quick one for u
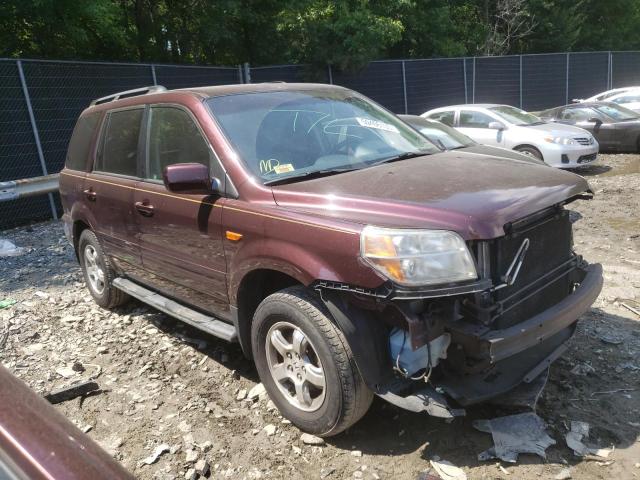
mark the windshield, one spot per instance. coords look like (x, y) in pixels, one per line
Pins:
(298, 133)
(616, 112)
(442, 135)
(516, 116)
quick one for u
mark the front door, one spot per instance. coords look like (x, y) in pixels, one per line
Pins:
(110, 185)
(476, 125)
(180, 234)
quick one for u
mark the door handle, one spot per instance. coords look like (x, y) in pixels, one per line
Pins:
(90, 194)
(145, 209)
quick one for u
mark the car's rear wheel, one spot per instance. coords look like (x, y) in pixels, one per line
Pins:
(305, 363)
(98, 272)
(531, 151)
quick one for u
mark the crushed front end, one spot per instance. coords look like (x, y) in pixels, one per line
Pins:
(475, 340)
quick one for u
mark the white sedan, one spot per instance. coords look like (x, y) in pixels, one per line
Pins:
(628, 97)
(562, 146)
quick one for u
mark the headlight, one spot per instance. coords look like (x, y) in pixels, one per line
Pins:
(417, 257)
(560, 140)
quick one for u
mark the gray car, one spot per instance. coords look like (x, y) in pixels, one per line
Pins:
(449, 138)
(616, 128)
(559, 145)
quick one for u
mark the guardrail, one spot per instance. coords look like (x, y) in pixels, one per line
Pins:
(28, 187)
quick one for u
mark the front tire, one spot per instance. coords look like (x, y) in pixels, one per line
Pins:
(532, 151)
(306, 365)
(98, 272)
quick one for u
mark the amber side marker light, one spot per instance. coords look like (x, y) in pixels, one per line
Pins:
(233, 236)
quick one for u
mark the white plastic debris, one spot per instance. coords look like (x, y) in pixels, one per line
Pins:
(515, 434)
(447, 470)
(8, 249)
(153, 458)
(580, 430)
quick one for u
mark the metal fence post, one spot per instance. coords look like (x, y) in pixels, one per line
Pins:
(520, 81)
(473, 86)
(240, 79)
(330, 74)
(36, 134)
(610, 72)
(464, 74)
(404, 89)
(566, 87)
(153, 74)
(247, 73)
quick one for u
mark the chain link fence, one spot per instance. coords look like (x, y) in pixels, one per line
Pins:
(41, 100)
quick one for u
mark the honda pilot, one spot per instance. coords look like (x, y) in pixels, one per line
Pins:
(346, 254)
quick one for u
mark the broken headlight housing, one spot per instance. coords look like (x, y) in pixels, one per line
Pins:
(417, 257)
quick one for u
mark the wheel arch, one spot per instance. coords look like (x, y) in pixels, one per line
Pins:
(528, 145)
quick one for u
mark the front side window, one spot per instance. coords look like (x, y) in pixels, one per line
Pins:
(287, 134)
(473, 119)
(173, 138)
(444, 117)
(574, 115)
(515, 116)
(120, 144)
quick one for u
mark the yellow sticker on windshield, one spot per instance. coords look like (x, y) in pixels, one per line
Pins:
(284, 168)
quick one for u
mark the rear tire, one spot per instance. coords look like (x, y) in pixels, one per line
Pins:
(297, 350)
(534, 152)
(98, 272)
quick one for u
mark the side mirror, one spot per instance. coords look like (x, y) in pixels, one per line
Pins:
(190, 178)
(496, 126)
(597, 121)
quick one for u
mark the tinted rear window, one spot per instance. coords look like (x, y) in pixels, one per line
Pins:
(120, 148)
(78, 152)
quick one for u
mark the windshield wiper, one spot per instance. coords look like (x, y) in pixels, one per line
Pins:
(402, 156)
(308, 176)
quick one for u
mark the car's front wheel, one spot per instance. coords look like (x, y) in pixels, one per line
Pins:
(306, 365)
(531, 151)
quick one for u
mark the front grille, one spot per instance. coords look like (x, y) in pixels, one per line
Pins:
(543, 279)
(587, 158)
(583, 140)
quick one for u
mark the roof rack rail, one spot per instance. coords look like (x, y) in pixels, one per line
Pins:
(129, 93)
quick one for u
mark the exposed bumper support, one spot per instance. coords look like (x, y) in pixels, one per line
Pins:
(510, 341)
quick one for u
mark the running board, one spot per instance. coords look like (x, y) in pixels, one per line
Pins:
(194, 318)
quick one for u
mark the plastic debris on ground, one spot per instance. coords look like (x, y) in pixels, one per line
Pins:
(8, 249)
(447, 470)
(515, 434)
(579, 431)
(7, 302)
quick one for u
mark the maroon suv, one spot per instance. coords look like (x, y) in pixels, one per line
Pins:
(347, 254)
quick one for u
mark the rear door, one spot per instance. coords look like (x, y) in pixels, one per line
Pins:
(475, 124)
(109, 187)
(180, 234)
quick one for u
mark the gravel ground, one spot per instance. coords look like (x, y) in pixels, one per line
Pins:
(165, 383)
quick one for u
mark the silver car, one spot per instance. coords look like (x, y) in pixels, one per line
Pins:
(562, 146)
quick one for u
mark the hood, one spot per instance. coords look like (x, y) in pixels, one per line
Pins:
(473, 195)
(559, 129)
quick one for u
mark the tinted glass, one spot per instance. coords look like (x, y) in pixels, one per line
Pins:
(444, 117)
(515, 115)
(174, 138)
(294, 133)
(627, 99)
(471, 119)
(120, 148)
(574, 115)
(617, 112)
(78, 152)
(442, 135)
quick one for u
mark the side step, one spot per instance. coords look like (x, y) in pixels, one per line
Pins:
(202, 322)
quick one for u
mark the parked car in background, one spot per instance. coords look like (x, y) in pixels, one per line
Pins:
(449, 138)
(345, 252)
(602, 96)
(616, 128)
(562, 146)
(38, 443)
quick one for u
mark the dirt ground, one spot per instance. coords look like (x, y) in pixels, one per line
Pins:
(166, 383)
